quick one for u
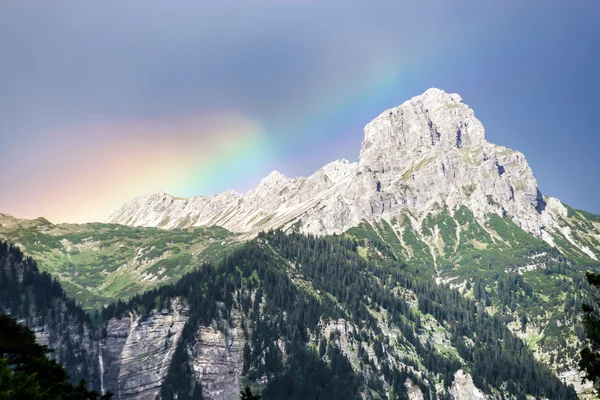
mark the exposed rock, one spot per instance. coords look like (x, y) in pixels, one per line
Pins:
(109, 351)
(71, 340)
(344, 341)
(217, 361)
(413, 391)
(137, 352)
(464, 389)
(583, 387)
(429, 152)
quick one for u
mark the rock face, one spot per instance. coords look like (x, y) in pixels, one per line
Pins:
(412, 391)
(464, 389)
(136, 353)
(73, 341)
(432, 150)
(217, 361)
(427, 153)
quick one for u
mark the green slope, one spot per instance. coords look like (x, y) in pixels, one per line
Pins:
(100, 263)
(535, 288)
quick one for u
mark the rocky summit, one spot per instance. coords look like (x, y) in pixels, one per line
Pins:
(426, 155)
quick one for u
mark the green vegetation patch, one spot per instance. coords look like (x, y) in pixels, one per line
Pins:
(101, 263)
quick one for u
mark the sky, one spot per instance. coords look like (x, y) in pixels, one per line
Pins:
(105, 101)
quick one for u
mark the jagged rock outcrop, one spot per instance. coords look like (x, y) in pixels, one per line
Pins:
(427, 153)
(412, 391)
(463, 387)
(136, 353)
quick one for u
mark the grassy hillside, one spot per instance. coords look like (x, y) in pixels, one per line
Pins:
(100, 263)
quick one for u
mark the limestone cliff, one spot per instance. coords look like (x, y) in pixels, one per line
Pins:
(136, 352)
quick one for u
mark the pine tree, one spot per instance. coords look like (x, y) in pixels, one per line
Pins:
(27, 373)
(590, 356)
(246, 394)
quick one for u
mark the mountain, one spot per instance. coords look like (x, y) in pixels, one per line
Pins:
(432, 267)
(457, 208)
(296, 317)
(427, 153)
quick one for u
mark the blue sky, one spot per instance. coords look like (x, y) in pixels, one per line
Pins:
(82, 81)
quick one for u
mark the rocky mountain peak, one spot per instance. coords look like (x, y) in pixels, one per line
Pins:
(434, 120)
(274, 178)
(427, 154)
(336, 170)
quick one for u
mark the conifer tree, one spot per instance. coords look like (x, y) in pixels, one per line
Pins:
(246, 394)
(590, 356)
(27, 373)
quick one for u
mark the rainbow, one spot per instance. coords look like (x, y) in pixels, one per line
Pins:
(202, 154)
